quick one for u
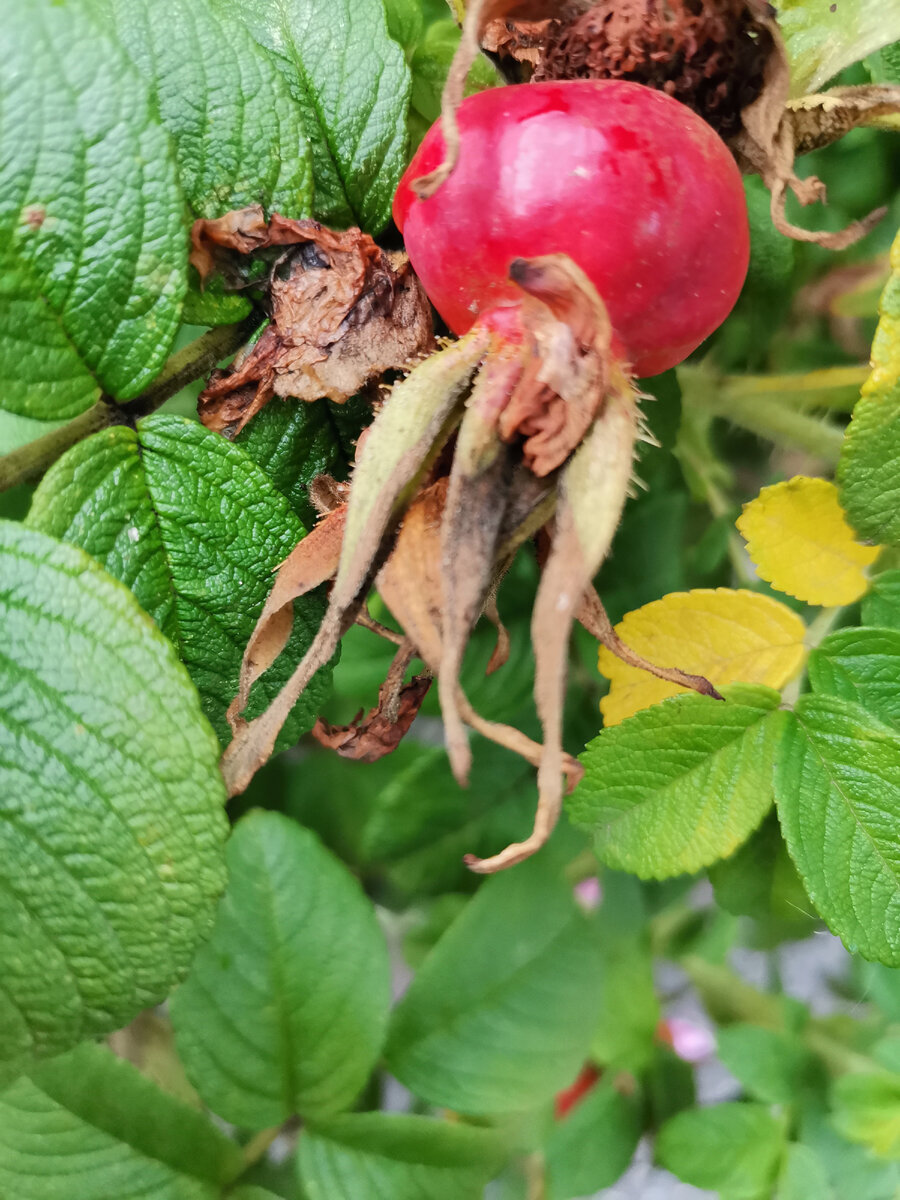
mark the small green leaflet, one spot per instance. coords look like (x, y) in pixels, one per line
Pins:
(803, 1176)
(863, 665)
(500, 1015)
(430, 64)
(93, 266)
(376, 1156)
(196, 530)
(285, 1009)
(682, 784)
(238, 134)
(352, 84)
(113, 823)
(770, 1064)
(593, 1145)
(822, 39)
(92, 1116)
(836, 792)
(867, 1110)
(733, 1149)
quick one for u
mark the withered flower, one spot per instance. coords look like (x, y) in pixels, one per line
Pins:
(526, 424)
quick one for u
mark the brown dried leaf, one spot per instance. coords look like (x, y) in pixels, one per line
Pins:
(523, 41)
(371, 737)
(821, 119)
(343, 313)
(242, 230)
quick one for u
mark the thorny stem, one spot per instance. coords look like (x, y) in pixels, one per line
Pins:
(193, 362)
(766, 416)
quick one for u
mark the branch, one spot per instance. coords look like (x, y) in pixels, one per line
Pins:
(29, 463)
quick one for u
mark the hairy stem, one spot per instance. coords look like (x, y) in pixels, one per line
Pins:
(29, 463)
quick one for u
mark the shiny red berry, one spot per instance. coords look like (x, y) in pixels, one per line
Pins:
(634, 186)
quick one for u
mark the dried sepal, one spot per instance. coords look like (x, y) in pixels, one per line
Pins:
(342, 313)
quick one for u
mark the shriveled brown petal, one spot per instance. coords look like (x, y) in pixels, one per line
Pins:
(243, 230)
(343, 313)
(522, 40)
(312, 562)
(593, 488)
(378, 733)
(563, 384)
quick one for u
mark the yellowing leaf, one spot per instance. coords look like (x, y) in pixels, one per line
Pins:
(728, 636)
(801, 542)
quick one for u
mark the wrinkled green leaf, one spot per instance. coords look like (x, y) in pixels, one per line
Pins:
(112, 804)
(681, 784)
(196, 530)
(500, 1015)
(769, 1064)
(88, 1126)
(293, 442)
(870, 467)
(822, 38)
(882, 605)
(238, 135)
(733, 1149)
(93, 265)
(863, 665)
(836, 792)
(351, 83)
(593, 1145)
(867, 1110)
(377, 1156)
(285, 1008)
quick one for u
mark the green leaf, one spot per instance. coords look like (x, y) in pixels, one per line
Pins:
(500, 1015)
(679, 785)
(285, 1009)
(593, 1145)
(293, 442)
(734, 1149)
(852, 1170)
(405, 21)
(627, 1006)
(112, 804)
(761, 881)
(196, 530)
(867, 1110)
(92, 1117)
(869, 466)
(863, 665)
(376, 1156)
(93, 265)
(431, 62)
(882, 605)
(821, 40)
(803, 1176)
(351, 83)
(769, 1064)
(238, 135)
(836, 792)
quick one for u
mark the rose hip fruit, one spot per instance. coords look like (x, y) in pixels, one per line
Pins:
(631, 184)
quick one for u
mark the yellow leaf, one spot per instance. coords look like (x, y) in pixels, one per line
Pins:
(801, 542)
(728, 636)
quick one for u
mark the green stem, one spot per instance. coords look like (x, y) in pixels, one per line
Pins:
(193, 362)
(258, 1146)
(819, 629)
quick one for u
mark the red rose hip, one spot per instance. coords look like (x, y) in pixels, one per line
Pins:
(633, 185)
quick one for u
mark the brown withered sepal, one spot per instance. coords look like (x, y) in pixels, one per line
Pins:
(343, 311)
(710, 56)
